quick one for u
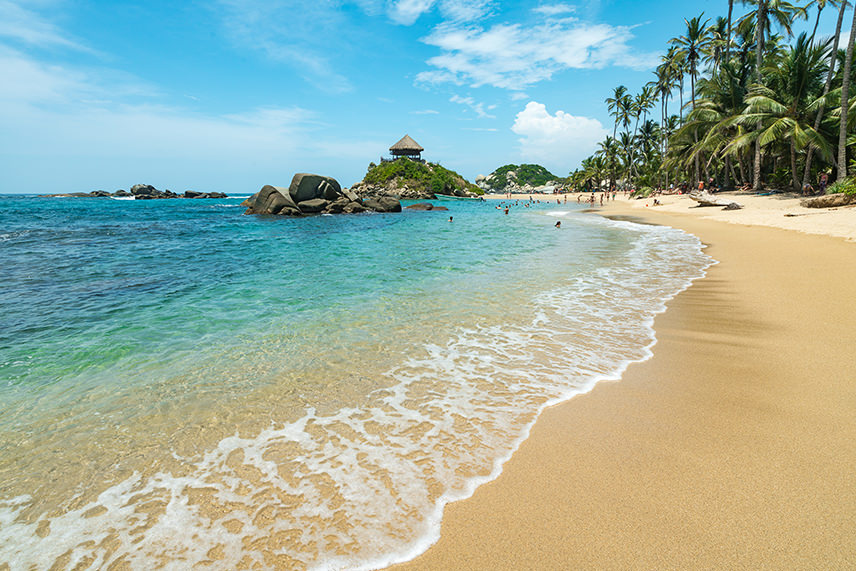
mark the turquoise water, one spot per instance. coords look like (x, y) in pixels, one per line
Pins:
(182, 385)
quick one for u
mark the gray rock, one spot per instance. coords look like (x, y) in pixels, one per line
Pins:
(828, 201)
(306, 186)
(99, 193)
(313, 205)
(122, 192)
(350, 195)
(193, 194)
(144, 190)
(354, 208)
(271, 200)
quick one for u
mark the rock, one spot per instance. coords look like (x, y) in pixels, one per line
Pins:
(193, 194)
(313, 205)
(426, 206)
(144, 190)
(707, 199)
(338, 206)
(828, 201)
(350, 195)
(271, 200)
(383, 204)
(99, 193)
(122, 192)
(308, 186)
(354, 208)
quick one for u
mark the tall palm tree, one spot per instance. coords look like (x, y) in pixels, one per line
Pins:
(829, 75)
(845, 95)
(820, 4)
(692, 43)
(614, 105)
(783, 13)
(717, 43)
(728, 31)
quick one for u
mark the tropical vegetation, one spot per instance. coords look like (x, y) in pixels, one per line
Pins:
(764, 108)
(418, 175)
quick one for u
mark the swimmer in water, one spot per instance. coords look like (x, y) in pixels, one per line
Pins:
(558, 223)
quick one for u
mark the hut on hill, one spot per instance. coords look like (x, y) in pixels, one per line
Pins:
(406, 147)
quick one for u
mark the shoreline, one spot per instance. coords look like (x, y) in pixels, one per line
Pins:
(714, 452)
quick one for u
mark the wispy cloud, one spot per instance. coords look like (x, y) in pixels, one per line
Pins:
(295, 33)
(406, 12)
(478, 108)
(22, 25)
(514, 56)
(481, 129)
(425, 112)
(559, 139)
(555, 9)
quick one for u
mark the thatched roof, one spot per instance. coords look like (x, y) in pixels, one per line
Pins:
(406, 144)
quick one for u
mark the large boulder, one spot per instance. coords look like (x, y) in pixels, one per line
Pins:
(144, 190)
(828, 201)
(426, 206)
(313, 205)
(306, 186)
(271, 200)
(383, 204)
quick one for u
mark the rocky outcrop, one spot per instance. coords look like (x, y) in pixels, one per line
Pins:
(140, 192)
(707, 199)
(829, 201)
(315, 194)
(391, 188)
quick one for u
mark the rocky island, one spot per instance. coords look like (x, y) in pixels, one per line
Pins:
(519, 179)
(409, 179)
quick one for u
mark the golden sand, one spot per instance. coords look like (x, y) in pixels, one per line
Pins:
(733, 447)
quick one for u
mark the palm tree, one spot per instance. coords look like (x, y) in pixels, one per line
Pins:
(717, 43)
(728, 31)
(784, 13)
(845, 95)
(829, 75)
(608, 150)
(692, 43)
(614, 105)
(782, 108)
(821, 4)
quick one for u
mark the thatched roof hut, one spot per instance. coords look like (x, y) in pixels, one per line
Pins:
(407, 147)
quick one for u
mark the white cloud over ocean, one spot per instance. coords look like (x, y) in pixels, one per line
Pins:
(555, 140)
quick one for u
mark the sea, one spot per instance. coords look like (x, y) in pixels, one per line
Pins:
(183, 386)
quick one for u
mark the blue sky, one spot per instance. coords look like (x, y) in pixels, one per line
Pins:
(229, 95)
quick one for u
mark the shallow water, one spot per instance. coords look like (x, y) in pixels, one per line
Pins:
(184, 386)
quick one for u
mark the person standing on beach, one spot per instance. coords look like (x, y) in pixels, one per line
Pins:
(824, 179)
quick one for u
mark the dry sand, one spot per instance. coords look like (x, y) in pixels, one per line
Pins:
(733, 447)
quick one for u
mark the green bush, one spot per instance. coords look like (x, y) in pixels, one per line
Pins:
(643, 192)
(536, 175)
(847, 186)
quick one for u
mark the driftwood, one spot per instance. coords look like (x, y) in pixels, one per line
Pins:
(828, 201)
(707, 199)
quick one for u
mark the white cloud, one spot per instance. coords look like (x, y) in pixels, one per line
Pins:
(559, 141)
(406, 12)
(425, 112)
(554, 9)
(513, 56)
(518, 96)
(478, 108)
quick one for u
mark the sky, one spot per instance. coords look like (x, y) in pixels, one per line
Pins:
(230, 95)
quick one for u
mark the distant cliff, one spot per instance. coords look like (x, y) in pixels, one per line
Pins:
(413, 180)
(518, 178)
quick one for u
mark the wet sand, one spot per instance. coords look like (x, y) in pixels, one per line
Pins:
(733, 447)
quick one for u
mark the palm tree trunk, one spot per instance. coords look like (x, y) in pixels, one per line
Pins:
(795, 181)
(845, 104)
(829, 75)
(759, 60)
(728, 37)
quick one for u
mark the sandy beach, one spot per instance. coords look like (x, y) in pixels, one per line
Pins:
(733, 447)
